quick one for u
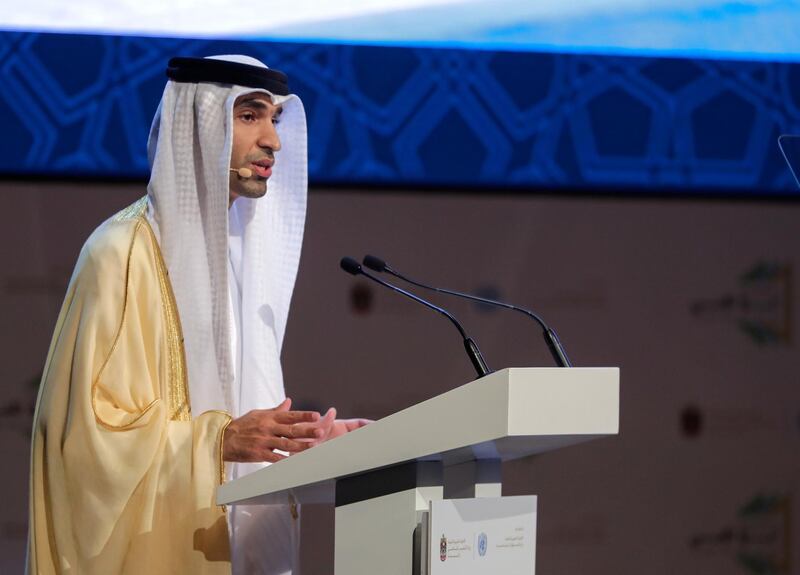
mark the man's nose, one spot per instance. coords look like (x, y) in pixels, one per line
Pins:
(269, 138)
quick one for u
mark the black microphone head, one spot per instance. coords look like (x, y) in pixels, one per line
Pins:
(350, 265)
(374, 263)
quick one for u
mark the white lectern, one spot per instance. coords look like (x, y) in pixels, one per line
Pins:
(381, 477)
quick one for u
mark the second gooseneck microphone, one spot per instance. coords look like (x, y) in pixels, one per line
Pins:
(550, 337)
(351, 266)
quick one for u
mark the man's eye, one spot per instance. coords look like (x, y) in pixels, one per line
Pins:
(248, 117)
(276, 120)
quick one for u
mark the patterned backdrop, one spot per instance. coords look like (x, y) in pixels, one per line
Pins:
(80, 105)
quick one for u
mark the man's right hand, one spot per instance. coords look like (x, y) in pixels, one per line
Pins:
(257, 434)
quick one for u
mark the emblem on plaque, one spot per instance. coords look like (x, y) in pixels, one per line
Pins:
(482, 544)
(443, 548)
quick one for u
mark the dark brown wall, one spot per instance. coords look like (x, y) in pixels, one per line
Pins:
(670, 291)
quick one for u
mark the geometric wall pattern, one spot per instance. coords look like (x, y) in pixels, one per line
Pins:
(81, 105)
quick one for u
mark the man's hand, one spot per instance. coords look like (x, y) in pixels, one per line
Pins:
(257, 434)
(333, 428)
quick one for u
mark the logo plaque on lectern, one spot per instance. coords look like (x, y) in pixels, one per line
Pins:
(483, 535)
(482, 544)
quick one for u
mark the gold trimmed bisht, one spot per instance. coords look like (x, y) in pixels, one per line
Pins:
(123, 477)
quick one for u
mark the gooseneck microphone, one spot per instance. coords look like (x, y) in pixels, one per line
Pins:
(351, 266)
(550, 337)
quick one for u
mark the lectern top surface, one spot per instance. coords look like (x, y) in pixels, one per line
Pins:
(509, 414)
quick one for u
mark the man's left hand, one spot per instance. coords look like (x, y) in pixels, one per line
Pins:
(333, 428)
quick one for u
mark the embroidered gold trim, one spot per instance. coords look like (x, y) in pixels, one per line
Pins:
(221, 446)
(177, 383)
(177, 389)
(135, 210)
(221, 449)
(96, 381)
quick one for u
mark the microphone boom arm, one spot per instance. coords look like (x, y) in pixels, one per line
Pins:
(351, 266)
(550, 336)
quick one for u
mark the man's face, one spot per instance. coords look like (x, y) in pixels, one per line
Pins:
(255, 141)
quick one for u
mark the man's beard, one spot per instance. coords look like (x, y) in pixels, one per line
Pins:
(252, 187)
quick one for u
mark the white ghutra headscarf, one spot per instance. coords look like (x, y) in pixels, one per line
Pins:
(189, 150)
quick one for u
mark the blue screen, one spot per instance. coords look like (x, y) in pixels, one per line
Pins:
(677, 96)
(754, 29)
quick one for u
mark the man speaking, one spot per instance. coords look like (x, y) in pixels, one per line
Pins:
(165, 361)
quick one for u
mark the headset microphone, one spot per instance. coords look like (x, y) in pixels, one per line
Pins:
(243, 172)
